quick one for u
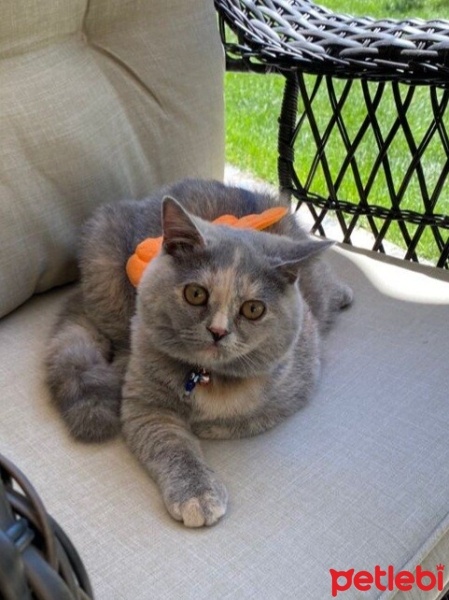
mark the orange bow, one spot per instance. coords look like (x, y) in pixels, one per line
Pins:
(149, 248)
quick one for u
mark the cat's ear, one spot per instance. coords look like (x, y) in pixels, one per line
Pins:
(296, 253)
(180, 233)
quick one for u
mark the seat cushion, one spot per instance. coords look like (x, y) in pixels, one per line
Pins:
(100, 100)
(358, 478)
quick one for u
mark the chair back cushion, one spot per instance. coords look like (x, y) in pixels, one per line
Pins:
(99, 101)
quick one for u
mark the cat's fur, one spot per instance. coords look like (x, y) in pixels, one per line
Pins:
(118, 360)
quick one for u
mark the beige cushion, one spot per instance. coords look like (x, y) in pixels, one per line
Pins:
(358, 478)
(99, 100)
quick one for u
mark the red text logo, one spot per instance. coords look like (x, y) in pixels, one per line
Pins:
(386, 579)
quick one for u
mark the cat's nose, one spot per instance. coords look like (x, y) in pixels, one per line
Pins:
(217, 333)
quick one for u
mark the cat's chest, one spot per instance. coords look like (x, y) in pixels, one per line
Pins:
(218, 399)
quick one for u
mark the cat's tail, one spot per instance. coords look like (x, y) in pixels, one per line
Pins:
(84, 382)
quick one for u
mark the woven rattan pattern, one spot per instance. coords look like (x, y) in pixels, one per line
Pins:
(398, 64)
(301, 34)
(424, 179)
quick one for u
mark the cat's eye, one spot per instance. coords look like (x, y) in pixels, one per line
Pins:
(195, 294)
(252, 309)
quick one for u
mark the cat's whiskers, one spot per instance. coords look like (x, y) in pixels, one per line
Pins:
(248, 362)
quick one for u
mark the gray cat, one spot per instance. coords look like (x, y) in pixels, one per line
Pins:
(218, 341)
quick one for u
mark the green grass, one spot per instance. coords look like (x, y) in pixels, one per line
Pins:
(253, 104)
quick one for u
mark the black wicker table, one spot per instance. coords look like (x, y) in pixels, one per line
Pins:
(352, 61)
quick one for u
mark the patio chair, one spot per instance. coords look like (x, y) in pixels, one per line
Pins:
(107, 99)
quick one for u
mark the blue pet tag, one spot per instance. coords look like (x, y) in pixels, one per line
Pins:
(195, 377)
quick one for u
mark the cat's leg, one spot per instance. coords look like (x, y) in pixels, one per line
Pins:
(84, 382)
(164, 445)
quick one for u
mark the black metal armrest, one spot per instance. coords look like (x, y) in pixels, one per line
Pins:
(352, 61)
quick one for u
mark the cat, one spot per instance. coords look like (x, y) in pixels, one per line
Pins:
(221, 338)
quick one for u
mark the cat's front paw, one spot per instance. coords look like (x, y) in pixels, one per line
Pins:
(198, 507)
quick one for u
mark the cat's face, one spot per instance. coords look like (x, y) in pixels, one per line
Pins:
(221, 299)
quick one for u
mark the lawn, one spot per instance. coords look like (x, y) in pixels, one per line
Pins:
(253, 104)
